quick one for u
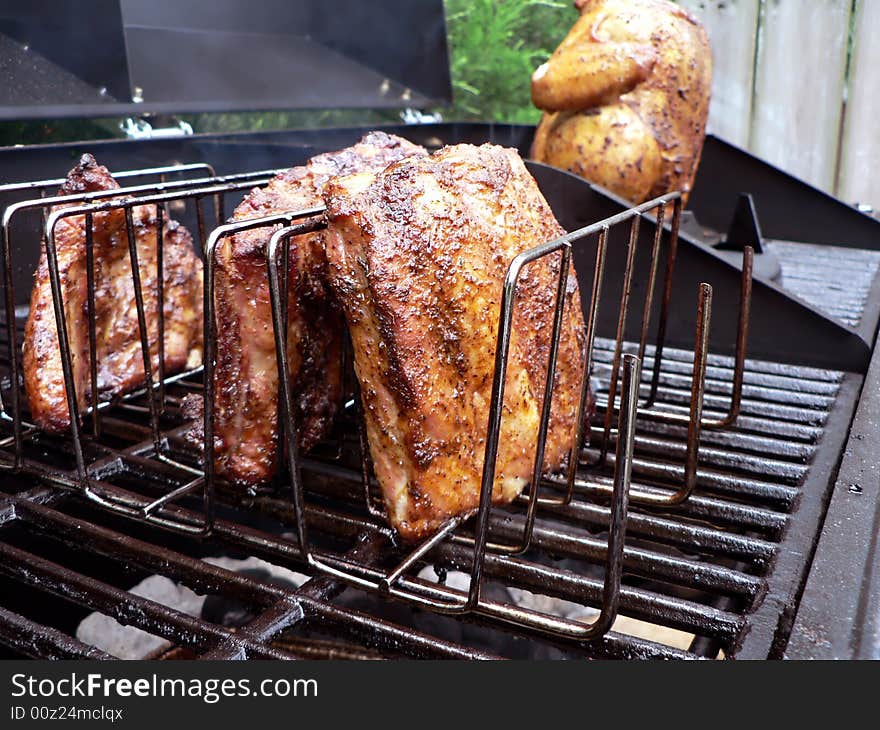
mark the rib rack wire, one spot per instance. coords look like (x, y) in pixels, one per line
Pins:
(691, 503)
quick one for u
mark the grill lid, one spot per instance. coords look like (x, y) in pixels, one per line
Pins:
(175, 56)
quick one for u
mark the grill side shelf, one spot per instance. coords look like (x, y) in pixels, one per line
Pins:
(771, 623)
(839, 612)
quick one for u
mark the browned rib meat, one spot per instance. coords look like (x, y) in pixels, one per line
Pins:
(118, 345)
(417, 256)
(246, 374)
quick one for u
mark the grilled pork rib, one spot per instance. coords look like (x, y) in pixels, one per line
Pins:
(417, 257)
(246, 373)
(118, 346)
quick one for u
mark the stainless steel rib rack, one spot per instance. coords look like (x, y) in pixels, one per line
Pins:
(484, 545)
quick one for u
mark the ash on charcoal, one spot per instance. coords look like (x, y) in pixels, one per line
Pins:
(128, 642)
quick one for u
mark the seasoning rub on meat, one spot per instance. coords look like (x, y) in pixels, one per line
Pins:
(246, 372)
(417, 257)
(118, 351)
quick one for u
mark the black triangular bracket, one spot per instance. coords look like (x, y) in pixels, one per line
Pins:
(788, 329)
(744, 229)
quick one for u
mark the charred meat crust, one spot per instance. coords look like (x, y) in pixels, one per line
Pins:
(246, 375)
(417, 257)
(118, 348)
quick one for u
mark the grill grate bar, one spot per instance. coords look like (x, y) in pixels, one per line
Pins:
(681, 613)
(374, 632)
(798, 398)
(125, 607)
(733, 441)
(700, 567)
(762, 427)
(644, 524)
(718, 378)
(38, 641)
(672, 397)
(197, 575)
(637, 561)
(717, 511)
(261, 629)
(717, 481)
(359, 626)
(755, 367)
(685, 536)
(673, 612)
(207, 578)
(566, 543)
(561, 583)
(792, 473)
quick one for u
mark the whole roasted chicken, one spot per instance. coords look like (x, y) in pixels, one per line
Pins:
(119, 358)
(626, 96)
(417, 257)
(246, 372)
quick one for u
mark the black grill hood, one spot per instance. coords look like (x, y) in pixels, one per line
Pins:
(63, 58)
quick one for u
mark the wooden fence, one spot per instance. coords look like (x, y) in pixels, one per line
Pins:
(797, 82)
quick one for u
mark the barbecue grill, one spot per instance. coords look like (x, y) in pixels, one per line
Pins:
(701, 516)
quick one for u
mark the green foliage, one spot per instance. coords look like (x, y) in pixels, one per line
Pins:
(57, 130)
(300, 119)
(495, 45)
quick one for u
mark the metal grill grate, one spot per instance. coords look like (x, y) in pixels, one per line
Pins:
(722, 567)
(837, 280)
(702, 570)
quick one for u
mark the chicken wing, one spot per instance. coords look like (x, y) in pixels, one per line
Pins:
(246, 372)
(120, 365)
(417, 257)
(626, 96)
